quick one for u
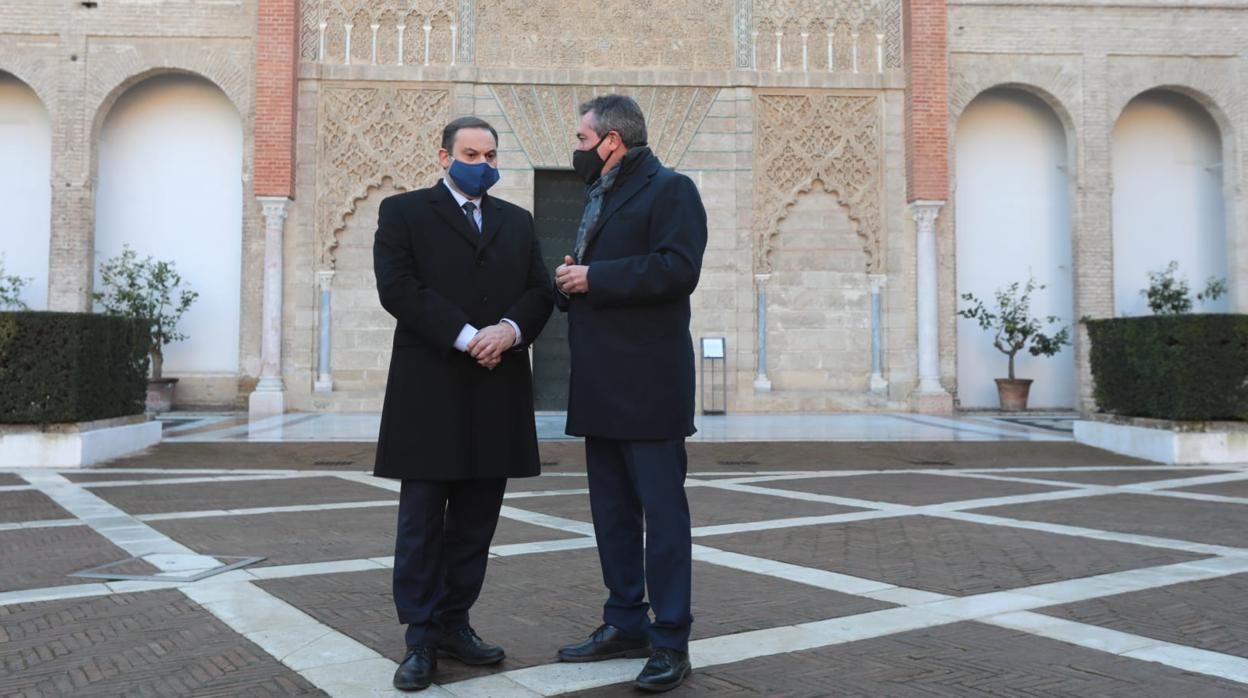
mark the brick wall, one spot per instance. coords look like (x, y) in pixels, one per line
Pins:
(926, 64)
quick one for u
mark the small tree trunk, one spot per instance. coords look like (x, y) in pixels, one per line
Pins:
(1012, 365)
(158, 360)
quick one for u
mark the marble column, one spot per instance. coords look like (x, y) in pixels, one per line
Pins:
(269, 397)
(925, 213)
(878, 384)
(761, 383)
(325, 282)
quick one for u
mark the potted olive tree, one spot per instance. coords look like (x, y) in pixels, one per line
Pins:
(1015, 329)
(147, 289)
(11, 290)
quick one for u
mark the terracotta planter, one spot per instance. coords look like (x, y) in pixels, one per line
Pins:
(160, 394)
(1013, 393)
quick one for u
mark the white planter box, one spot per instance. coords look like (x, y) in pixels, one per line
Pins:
(1165, 441)
(75, 445)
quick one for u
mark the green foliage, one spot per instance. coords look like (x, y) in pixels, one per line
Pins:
(146, 289)
(71, 367)
(11, 289)
(1169, 295)
(1180, 367)
(1013, 326)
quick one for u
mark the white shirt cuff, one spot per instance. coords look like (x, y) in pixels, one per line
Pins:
(515, 327)
(465, 336)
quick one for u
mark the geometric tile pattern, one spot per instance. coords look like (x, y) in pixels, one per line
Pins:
(855, 580)
(157, 643)
(1211, 614)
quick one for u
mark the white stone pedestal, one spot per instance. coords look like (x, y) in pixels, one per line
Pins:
(75, 445)
(1165, 441)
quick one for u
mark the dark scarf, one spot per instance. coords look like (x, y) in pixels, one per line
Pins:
(597, 194)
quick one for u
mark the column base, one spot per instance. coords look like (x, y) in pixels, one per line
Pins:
(940, 403)
(878, 385)
(266, 403)
(762, 385)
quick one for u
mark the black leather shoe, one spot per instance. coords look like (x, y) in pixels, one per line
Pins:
(607, 642)
(666, 670)
(415, 672)
(468, 647)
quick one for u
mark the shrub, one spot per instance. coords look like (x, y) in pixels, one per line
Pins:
(1178, 367)
(71, 367)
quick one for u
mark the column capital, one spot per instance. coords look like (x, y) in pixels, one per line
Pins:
(274, 208)
(878, 281)
(325, 279)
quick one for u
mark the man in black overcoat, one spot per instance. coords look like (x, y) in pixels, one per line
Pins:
(626, 290)
(462, 273)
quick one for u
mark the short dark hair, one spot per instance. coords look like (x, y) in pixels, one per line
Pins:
(619, 113)
(448, 133)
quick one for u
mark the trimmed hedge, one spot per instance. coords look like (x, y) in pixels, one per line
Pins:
(71, 367)
(1178, 367)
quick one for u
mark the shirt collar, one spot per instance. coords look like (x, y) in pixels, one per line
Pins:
(460, 198)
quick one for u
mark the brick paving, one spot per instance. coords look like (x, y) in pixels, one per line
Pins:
(943, 556)
(1116, 477)
(160, 643)
(315, 536)
(151, 644)
(707, 507)
(41, 557)
(138, 499)
(1167, 517)
(963, 660)
(551, 615)
(907, 488)
(28, 505)
(1225, 489)
(1210, 614)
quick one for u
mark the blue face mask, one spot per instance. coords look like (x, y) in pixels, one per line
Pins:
(473, 180)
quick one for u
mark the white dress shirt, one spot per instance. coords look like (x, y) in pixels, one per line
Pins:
(468, 332)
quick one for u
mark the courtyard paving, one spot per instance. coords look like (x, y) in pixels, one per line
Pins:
(1008, 567)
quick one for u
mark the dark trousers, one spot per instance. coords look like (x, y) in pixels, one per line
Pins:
(637, 486)
(444, 535)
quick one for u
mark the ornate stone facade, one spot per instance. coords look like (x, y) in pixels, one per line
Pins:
(370, 137)
(830, 141)
(549, 116)
(790, 115)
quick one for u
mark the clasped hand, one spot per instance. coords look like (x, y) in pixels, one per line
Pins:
(572, 278)
(488, 345)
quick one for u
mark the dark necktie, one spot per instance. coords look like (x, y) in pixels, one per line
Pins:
(470, 210)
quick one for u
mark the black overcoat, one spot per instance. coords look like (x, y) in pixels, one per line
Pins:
(445, 417)
(632, 356)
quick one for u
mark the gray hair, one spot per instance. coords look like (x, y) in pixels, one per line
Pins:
(618, 113)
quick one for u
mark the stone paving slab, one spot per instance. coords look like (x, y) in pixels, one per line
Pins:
(908, 488)
(531, 611)
(155, 499)
(1116, 477)
(151, 644)
(113, 474)
(8, 479)
(316, 536)
(707, 507)
(944, 556)
(1226, 489)
(41, 557)
(1182, 519)
(565, 456)
(963, 660)
(29, 505)
(546, 482)
(1211, 614)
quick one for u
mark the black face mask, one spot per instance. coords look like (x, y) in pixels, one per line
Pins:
(588, 163)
